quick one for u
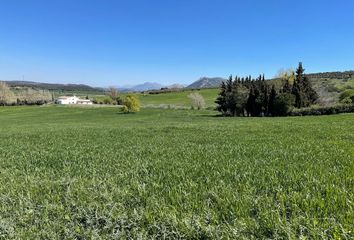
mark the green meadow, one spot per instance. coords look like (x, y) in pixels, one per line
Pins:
(175, 99)
(95, 173)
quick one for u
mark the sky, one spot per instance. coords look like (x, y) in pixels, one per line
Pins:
(117, 43)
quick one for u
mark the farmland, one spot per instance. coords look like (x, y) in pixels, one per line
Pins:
(86, 173)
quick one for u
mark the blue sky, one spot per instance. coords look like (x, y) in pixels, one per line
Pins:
(113, 42)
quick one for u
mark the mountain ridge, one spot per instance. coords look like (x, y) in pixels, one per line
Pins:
(203, 82)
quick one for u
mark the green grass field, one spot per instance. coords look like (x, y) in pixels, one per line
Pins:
(85, 173)
(177, 99)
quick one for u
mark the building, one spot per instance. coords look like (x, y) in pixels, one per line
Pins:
(73, 100)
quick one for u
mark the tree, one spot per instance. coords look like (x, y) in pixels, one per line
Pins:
(302, 89)
(283, 104)
(240, 99)
(221, 99)
(287, 88)
(251, 101)
(131, 104)
(272, 97)
(310, 93)
(197, 100)
(286, 75)
(112, 92)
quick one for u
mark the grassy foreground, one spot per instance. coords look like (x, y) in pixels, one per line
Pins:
(93, 172)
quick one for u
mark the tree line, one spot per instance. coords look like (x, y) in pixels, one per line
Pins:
(257, 97)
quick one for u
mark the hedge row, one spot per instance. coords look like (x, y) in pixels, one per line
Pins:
(23, 102)
(323, 110)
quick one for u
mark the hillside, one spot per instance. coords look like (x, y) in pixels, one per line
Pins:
(328, 89)
(54, 86)
(207, 82)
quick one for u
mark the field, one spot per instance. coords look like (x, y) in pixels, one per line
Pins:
(177, 99)
(85, 173)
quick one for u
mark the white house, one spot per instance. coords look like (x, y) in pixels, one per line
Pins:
(73, 100)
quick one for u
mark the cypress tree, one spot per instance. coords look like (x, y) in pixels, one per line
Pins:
(297, 90)
(250, 105)
(302, 89)
(310, 93)
(286, 87)
(221, 99)
(272, 97)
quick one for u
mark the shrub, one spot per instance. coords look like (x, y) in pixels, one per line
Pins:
(197, 100)
(131, 104)
(347, 96)
(107, 100)
(6, 95)
(321, 110)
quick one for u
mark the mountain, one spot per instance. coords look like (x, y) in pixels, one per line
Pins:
(176, 86)
(146, 86)
(141, 87)
(53, 86)
(207, 82)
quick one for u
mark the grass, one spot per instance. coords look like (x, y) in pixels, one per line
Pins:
(178, 98)
(86, 173)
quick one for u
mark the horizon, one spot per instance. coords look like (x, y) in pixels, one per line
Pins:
(118, 44)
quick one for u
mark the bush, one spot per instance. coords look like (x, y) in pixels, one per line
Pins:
(6, 95)
(197, 100)
(107, 100)
(321, 110)
(131, 104)
(347, 96)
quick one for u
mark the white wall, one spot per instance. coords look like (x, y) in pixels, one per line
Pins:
(70, 100)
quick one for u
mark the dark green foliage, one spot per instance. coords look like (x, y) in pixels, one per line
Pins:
(262, 99)
(272, 97)
(323, 110)
(304, 94)
(283, 104)
(347, 96)
(287, 88)
(221, 99)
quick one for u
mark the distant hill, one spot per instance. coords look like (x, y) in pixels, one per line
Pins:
(176, 86)
(146, 86)
(55, 86)
(141, 87)
(332, 75)
(207, 82)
